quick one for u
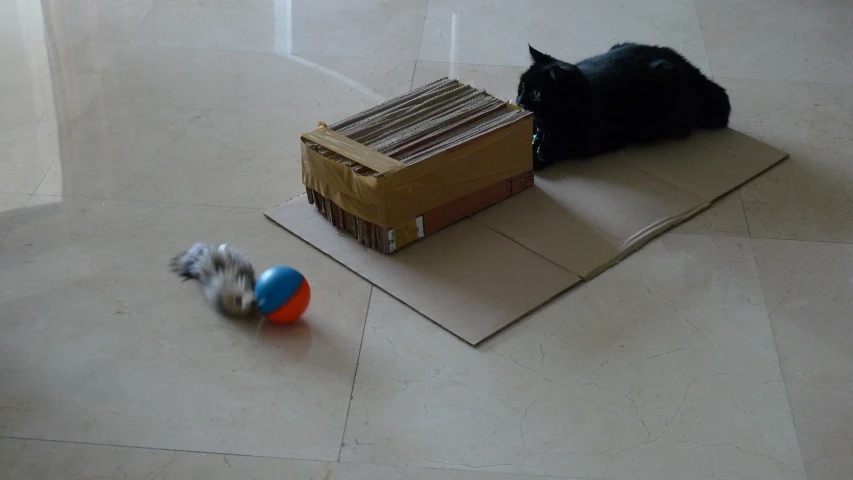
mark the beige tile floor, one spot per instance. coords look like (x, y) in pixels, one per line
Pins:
(130, 128)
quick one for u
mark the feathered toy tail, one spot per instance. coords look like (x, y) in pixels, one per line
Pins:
(188, 264)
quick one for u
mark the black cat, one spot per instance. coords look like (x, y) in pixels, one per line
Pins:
(630, 94)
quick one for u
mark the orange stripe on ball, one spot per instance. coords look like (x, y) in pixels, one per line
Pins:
(295, 307)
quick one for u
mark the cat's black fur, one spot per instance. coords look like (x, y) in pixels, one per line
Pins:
(630, 94)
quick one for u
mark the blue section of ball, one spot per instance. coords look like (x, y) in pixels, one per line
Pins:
(275, 287)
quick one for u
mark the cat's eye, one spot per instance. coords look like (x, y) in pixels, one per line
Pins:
(536, 95)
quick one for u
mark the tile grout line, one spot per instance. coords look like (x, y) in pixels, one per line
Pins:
(12, 227)
(156, 449)
(726, 235)
(805, 471)
(710, 235)
(152, 202)
(414, 71)
(704, 42)
(420, 44)
(743, 210)
(246, 455)
(826, 242)
(355, 371)
(35, 190)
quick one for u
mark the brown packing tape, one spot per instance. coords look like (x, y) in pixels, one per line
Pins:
(338, 183)
(358, 153)
(401, 195)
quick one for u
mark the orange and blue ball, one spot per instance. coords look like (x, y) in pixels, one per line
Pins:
(283, 294)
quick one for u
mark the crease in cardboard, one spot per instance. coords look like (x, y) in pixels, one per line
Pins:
(655, 229)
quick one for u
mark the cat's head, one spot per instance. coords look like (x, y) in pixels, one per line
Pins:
(548, 86)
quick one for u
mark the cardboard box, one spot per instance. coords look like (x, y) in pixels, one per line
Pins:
(386, 204)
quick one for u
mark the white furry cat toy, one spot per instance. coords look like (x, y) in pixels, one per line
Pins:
(226, 276)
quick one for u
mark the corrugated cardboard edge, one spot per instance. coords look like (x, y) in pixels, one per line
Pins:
(451, 332)
(357, 152)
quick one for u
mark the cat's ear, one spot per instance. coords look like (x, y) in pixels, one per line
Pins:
(561, 72)
(537, 56)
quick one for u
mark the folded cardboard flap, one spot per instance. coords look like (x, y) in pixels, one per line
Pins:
(583, 215)
(404, 191)
(612, 205)
(710, 165)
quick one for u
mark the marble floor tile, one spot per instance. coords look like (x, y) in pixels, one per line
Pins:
(497, 33)
(244, 25)
(38, 460)
(779, 39)
(808, 290)
(102, 344)
(663, 367)
(93, 22)
(807, 197)
(28, 134)
(364, 29)
(10, 203)
(378, 29)
(201, 126)
(373, 29)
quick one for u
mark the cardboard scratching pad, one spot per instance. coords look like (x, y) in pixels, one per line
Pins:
(481, 274)
(406, 168)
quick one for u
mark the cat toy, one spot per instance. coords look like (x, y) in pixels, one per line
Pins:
(283, 294)
(227, 279)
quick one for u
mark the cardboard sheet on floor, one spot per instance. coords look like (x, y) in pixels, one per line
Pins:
(483, 273)
(467, 278)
